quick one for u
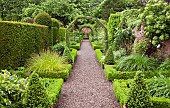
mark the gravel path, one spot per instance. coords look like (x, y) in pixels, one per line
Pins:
(87, 86)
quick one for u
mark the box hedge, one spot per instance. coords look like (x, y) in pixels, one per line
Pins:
(53, 89)
(121, 91)
(99, 56)
(64, 74)
(55, 30)
(19, 40)
(74, 54)
(111, 73)
(77, 46)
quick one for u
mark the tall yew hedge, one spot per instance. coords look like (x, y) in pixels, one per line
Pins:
(19, 40)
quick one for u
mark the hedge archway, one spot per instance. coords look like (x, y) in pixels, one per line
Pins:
(88, 18)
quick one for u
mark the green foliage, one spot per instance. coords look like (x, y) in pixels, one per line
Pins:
(139, 95)
(109, 58)
(99, 55)
(47, 62)
(124, 39)
(165, 66)
(119, 54)
(142, 46)
(156, 18)
(59, 48)
(62, 34)
(74, 54)
(11, 90)
(55, 23)
(53, 89)
(137, 62)
(35, 95)
(113, 24)
(158, 87)
(43, 19)
(20, 40)
(67, 55)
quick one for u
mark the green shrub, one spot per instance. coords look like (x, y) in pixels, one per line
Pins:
(95, 46)
(158, 87)
(11, 90)
(19, 40)
(64, 74)
(119, 54)
(137, 62)
(62, 34)
(35, 95)
(67, 55)
(43, 19)
(74, 54)
(99, 55)
(53, 89)
(77, 46)
(139, 95)
(165, 66)
(59, 48)
(109, 58)
(142, 46)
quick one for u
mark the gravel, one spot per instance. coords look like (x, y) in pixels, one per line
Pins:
(87, 86)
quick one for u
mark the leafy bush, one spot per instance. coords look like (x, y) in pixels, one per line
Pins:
(137, 62)
(47, 62)
(11, 90)
(165, 66)
(158, 87)
(20, 40)
(109, 58)
(43, 19)
(139, 95)
(119, 54)
(59, 48)
(53, 89)
(142, 46)
(156, 18)
(67, 55)
(55, 30)
(35, 95)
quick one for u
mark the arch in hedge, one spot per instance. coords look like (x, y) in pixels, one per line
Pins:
(88, 18)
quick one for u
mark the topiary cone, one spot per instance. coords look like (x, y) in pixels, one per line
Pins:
(67, 54)
(139, 95)
(109, 59)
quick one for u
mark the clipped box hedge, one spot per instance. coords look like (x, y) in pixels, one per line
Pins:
(96, 46)
(19, 40)
(77, 46)
(64, 74)
(53, 89)
(74, 54)
(111, 73)
(99, 56)
(121, 92)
